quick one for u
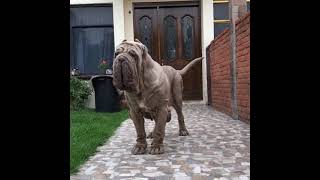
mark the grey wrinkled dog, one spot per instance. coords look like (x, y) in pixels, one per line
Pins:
(150, 90)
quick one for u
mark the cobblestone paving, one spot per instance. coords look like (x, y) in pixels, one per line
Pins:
(218, 148)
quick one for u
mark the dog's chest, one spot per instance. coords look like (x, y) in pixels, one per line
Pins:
(147, 111)
(144, 106)
(147, 105)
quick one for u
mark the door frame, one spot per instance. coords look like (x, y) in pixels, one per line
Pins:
(157, 5)
(164, 4)
(146, 5)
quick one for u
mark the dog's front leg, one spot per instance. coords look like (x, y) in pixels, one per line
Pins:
(159, 131)
(138, 121)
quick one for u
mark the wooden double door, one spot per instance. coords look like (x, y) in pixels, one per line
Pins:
(172, 35)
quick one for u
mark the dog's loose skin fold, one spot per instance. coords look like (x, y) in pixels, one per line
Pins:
(150, 90)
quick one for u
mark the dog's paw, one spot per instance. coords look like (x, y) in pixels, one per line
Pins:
(183, 132)
(150, 135)
(139, 149)
(156, 149)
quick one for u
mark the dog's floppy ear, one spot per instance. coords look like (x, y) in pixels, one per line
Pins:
(142, 47)
(137, 40)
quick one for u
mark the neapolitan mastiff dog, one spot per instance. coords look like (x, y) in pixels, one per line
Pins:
(150, 90)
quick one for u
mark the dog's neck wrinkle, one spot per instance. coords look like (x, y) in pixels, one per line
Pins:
(151, 73)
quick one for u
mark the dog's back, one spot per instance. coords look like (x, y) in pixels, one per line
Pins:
(176, 82)
(170, 72)
(173, 73)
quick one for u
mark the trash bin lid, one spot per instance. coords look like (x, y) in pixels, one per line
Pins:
(101, 77)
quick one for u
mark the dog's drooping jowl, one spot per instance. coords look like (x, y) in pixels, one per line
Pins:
(150, 90)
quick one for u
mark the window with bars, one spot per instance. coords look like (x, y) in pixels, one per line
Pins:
(91, 37)
(221, 15)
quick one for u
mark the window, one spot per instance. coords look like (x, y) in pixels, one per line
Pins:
(219, 27)
(170, 34)
(91, 37)
(221, 10)
(145, 25)
(187, 33)
(221, 15)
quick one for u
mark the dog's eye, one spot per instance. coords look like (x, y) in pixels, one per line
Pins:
(132, 53)
(118, 51)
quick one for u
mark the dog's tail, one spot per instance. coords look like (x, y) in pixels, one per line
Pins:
(188, 66)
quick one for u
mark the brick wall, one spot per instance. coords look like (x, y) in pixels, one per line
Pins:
(243, 67)
(220, 70)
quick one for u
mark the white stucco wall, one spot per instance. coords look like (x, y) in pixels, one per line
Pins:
(207, 35)
(128, 20)
(123, 28)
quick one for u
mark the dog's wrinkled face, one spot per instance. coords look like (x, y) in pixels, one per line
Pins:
(127, 66)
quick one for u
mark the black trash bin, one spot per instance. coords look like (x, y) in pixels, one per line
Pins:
(106, 96)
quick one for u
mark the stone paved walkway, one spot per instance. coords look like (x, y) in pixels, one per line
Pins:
(217, 148)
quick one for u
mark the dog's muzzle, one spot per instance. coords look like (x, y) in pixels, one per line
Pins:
(123, 73)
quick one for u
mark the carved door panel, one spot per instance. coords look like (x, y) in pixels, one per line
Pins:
(173, 37)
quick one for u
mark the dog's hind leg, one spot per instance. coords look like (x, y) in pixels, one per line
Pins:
(177, 104)
(182, 127)
(150, 135)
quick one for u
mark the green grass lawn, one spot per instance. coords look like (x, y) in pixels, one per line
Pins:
(90, 130)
